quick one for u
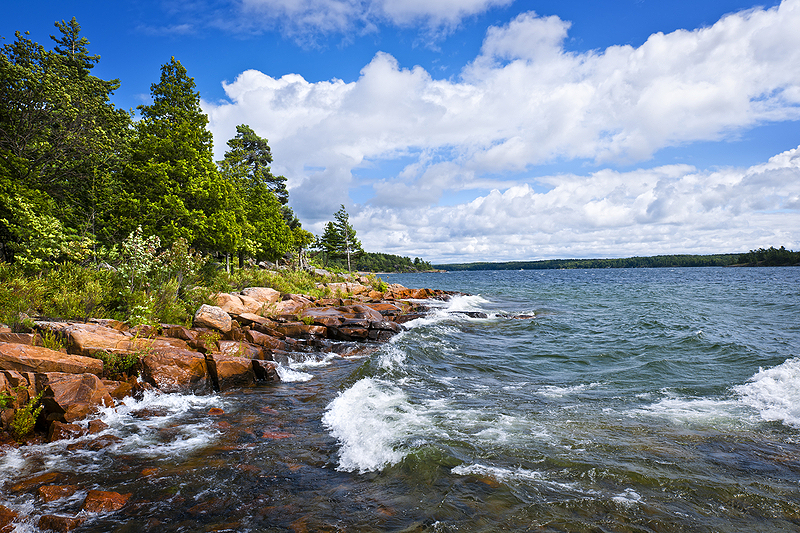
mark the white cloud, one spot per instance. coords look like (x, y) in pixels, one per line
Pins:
(525, 101)
(669, 209)
(303, 19)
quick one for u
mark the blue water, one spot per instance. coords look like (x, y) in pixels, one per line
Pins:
(658, 400)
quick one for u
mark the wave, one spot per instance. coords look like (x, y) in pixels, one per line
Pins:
(775, 393)
(371, 420)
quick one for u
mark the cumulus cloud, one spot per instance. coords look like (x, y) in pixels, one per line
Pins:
(523, 101)
(663, 210)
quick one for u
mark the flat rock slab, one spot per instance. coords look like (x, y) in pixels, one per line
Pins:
(176, 371)
(24, 358)
(99, 501)
(70, 397)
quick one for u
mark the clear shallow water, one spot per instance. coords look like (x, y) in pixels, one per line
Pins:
(635, 400)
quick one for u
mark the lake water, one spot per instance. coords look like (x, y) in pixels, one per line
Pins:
(654, 400)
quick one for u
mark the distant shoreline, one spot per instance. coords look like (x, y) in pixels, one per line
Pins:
(753, 259)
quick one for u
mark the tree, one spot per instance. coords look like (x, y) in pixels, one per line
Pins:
(249, 158)
(61, 139)
(339, 238)
(174, 189)
(255, 202)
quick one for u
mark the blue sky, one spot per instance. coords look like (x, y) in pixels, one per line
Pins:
(472, 130)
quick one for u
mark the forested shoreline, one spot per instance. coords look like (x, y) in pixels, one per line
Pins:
(761, 257)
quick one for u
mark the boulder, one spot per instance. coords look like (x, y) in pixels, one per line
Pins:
(60, 523)
(324, 316)
(176, 371)
(267, 341)
(59, 430)
(174, 331)
(23, 358)
(70, 397)
(263, 295)
(119, 390)
(230, 303)
(7, 517)
(88, 339)
(266, 371)
(251, 305)
(240, 349)
(301, 330)
(386, 308)
(230, 371)
(213, 317)
(49, 493)
(99, 501)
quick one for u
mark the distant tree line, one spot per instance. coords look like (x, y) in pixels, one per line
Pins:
(761, 257)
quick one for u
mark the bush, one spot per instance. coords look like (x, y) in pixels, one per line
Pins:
(25, 418)
(120, 366)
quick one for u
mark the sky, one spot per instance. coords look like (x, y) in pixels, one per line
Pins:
(489, 130)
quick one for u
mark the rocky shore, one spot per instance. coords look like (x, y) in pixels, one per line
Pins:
(239, 342)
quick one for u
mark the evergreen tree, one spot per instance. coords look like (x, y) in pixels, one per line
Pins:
(249, 158)
(174, 189)
(339, 238)
(61, 139)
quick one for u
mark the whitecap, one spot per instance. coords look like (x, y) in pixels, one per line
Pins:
(371, 420)
(289, 375)
(775, 393)
(554, 391)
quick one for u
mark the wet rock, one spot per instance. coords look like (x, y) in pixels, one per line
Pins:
(266, 371)
(230, 372)
(119, 390)
(386, 309)
(176, 371)
(24, 358)
(31, 483)
(60, 523)
(96, 426)
(301, 330)
(59, 430)
(98, 501)
(7, 517)
(69, 397)
(49, 493)
(213, 317)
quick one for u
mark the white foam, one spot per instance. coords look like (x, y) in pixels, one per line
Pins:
(289, 375)
(703, 411)
(629, 498)
(312, 361)
(371, 420)
(553, 391)
(500, 474)
(775, 393)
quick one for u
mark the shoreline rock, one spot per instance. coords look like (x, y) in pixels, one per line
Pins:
(237, 343)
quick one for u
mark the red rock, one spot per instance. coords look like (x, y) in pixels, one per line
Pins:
(251, 305)
(7, 517)
(276, 435)
(176, 371)
(24, 358)
(262, 294)
(35, 482)
(60, 523)
(118, 390)
(178, 332)
(98, 501)
(267, 341)
(213, 317)
(59, 430)
(298, 329)
(96, 426)
(240, 349)
(229, 371)
(266, 371)
(48, 493)
(230, 303)
(385, 308)
(216, 411)
(69, 397)
(324, 316)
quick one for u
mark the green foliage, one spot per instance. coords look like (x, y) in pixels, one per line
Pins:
(6, 400)
(339, 239)
(659, 261)
(120, 366)
(52, 341)
(770, 257)
(25, 418)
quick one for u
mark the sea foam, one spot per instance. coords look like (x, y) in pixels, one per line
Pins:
(371, 420)
(775, 393)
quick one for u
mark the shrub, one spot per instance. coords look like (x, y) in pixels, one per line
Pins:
(25, 418)
(120, 366)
